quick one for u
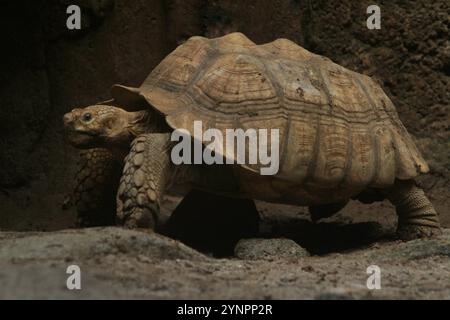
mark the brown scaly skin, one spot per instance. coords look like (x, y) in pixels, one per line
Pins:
(145, 177)
(95, 189)
(417, 217)
(102, 126)
(148, 170)
(100, 169)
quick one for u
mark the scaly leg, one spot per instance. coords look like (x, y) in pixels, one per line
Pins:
(416, 216)
(145, 176)
(96, 184)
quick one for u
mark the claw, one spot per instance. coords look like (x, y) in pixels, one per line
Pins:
(411, 232)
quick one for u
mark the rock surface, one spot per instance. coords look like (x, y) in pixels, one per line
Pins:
(117, 263)
(268, 249)
(81, 244)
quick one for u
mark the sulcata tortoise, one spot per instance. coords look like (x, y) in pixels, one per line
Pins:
(340, 137)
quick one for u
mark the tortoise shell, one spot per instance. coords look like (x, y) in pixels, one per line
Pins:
(335, 125)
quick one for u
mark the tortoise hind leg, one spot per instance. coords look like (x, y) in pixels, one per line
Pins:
(417, 217)
(326, 210)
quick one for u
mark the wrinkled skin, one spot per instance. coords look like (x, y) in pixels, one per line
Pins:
(101, 126)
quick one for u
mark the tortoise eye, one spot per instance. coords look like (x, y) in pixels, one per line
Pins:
(87, 117)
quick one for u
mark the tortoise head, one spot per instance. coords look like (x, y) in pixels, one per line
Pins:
(104, 126)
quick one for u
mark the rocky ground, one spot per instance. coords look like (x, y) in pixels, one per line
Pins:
(288, 258)
(125, 264)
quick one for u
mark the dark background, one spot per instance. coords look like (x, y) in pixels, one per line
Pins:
(46, 70)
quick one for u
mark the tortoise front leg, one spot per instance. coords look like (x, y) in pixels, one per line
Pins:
(417, 217)
(96, 185)
(145, 177)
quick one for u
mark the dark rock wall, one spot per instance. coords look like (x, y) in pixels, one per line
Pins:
(46, 70)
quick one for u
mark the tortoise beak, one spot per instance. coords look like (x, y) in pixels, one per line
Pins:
(80, 139)
(71, 116)
(74, 136)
